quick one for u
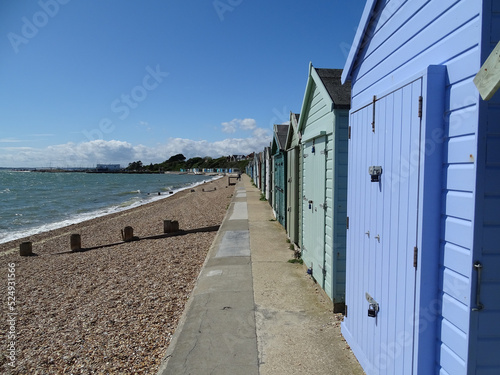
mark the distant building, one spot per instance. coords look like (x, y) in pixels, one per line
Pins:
(108, 167)
(237, 157)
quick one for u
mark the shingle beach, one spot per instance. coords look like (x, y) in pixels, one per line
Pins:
(112, 307)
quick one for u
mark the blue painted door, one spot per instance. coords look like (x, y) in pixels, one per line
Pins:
(383, 232)
(279, 188)
(313, 231)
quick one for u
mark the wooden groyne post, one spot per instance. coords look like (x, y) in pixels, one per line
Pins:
(170, 226)
(75, 242)
(26, 249)
(128, 234)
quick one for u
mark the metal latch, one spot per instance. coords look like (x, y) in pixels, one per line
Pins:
(323, 206)
(375, 172)
(373, 308)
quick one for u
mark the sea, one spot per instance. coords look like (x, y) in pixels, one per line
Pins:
(35, 202)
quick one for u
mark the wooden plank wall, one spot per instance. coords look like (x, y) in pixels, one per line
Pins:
(406, 37)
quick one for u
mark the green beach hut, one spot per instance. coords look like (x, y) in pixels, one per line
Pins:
(292, 147)
(268, 192)
(262, 161)
(323, 126)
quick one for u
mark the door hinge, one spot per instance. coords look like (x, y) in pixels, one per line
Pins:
(345, 311)
(349, 132)
(347, 222)
(420, 104)
(415, 256)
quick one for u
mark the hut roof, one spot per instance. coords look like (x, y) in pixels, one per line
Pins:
(339, 93)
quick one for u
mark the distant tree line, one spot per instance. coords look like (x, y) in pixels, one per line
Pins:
(178, 162)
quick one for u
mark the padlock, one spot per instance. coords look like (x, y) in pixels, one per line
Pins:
(372, 313)
(372, 307)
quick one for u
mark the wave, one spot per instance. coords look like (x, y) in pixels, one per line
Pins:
(12, 235)
(133, 192)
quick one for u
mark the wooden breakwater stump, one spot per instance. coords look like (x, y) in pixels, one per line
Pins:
(26, 249)
(75, 242)
(170, 226)
(128, 234)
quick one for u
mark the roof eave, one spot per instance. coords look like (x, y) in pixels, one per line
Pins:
(313, 77)
(305, 98)
(358, 38)
(292, 129)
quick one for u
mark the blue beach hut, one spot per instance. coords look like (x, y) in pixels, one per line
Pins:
(423, 225)
(263, 172)
(323, 125)
(279, 162)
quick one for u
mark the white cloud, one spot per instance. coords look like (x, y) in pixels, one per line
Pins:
(87, 154)
(229, 127)
(261, 133)
(10, 140)
(248, 124)
(234, 124)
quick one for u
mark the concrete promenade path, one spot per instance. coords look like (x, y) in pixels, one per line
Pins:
(252, 312)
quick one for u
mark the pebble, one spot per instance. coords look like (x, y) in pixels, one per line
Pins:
(110, 309)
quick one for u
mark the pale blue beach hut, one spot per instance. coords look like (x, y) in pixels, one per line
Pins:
(323, 125)
(423, 228)
(279, 162)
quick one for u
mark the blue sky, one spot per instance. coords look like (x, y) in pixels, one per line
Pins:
(86, 82)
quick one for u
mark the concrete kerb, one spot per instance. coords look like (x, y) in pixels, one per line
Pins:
(182, 321)
(229, 226)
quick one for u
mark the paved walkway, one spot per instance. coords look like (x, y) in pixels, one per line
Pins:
(252, 312)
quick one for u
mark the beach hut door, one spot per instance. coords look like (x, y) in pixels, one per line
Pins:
(384, 166)
(313, 212)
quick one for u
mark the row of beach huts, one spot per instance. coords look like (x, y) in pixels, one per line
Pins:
(388, 183)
